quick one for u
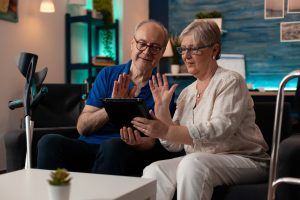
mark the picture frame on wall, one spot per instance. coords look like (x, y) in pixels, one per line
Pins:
(290, 31)
(274, 9)
(293, 6)
(9, 10)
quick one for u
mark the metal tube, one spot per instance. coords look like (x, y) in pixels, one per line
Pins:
(29, 130)
(277, 132)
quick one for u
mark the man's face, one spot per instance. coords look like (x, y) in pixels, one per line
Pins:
(147, 47)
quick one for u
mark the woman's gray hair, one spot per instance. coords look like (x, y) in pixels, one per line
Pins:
(204, 32)
(163, 29)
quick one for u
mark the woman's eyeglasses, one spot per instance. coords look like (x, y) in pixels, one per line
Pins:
(142, 46)
(193, 50)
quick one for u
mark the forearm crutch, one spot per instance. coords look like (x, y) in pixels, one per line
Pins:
(32, 94)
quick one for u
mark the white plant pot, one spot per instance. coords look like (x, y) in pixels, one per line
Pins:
(175, 68)
(59, 192)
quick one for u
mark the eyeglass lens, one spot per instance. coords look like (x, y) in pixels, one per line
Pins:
(193, 51)
(142, 46)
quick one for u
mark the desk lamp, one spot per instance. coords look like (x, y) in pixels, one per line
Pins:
(168, 53)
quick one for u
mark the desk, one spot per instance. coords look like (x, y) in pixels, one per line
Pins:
(270, 96)
(271, 93)
(31, 184)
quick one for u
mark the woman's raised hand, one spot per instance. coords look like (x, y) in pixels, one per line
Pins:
(159, 87)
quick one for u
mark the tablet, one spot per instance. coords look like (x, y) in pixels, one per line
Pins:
(122, 111)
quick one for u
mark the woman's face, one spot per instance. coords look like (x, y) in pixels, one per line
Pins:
(197, 58)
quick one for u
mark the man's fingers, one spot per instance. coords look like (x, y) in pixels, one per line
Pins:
(132, 92)
(115, 89)
(127, 80)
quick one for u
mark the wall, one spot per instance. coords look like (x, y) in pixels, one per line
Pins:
(39, 33)
(248, 33)
(131, 12)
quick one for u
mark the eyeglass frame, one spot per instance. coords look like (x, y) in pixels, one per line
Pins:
(187, 50)
(147, 45)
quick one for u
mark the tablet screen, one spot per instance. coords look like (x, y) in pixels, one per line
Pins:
(122, 111)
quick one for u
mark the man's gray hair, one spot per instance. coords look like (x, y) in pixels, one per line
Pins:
(163, 29)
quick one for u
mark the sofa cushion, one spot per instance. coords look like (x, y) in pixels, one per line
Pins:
(265, 114)
(60, 107)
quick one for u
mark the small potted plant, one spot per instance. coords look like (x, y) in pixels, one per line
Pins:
(59, 184)
(214, 15)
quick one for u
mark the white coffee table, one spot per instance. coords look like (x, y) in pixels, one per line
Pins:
(31, 184)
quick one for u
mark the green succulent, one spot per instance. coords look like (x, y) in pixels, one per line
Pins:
(60, 177)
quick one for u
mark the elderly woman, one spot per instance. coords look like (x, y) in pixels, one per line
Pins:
(214, 123)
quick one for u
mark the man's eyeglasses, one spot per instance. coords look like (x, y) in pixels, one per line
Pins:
(142, 46)
(192, 51)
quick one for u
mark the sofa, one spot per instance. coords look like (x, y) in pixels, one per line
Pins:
(288, 166)
(289, 155)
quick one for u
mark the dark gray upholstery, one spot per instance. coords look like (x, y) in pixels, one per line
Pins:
(288, 165)
(265, 112)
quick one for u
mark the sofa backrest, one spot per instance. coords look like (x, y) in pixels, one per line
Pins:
(265, 113)
(60, 107)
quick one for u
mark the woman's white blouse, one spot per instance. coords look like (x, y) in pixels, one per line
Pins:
(223, 121)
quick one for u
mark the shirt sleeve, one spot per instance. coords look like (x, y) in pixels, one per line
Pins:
(99, 90)
(170, 146)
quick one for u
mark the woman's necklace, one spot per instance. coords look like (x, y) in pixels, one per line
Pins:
(199, 93)
(201, 89)
(198, 96)
(204, 86)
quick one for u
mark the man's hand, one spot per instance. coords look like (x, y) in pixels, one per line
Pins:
(133, 137)
(121, 87)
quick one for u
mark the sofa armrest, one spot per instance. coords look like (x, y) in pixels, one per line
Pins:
(15, 144)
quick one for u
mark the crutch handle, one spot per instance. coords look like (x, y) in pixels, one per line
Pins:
(15, 104)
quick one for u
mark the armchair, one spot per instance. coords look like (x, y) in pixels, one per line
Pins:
(56, 113)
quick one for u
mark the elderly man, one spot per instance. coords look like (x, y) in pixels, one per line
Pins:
(99, 148)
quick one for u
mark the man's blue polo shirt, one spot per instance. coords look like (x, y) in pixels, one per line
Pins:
(102, 88)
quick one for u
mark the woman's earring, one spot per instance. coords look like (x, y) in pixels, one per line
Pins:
(214, 57)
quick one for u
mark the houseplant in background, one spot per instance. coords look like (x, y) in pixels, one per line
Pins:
(59, 185)
(175, 66)
(106, 9)
(213, 15)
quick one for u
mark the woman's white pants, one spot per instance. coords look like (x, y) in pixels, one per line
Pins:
(195, 175)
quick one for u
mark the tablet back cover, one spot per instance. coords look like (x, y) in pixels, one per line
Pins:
(122, 111)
